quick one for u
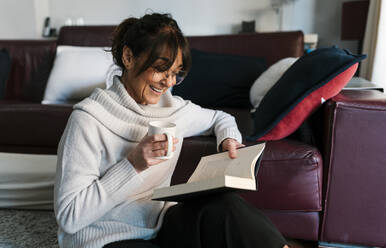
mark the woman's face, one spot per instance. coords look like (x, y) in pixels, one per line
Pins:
(148, 87)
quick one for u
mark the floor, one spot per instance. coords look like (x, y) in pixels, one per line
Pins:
(38, 228)
(24, 229)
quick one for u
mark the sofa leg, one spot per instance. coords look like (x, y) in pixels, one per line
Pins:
(338, 245)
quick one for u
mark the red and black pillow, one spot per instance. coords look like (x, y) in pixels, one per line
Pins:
(311, 80)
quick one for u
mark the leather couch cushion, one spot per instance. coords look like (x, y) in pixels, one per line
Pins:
(34, 125)
(31, 62)
(296, 224)
(86, 35)
(5, 64)
(272, 46)
(290, 176)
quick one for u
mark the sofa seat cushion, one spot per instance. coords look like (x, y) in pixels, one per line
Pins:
(290, 176)
(34, 125)
(13, 101)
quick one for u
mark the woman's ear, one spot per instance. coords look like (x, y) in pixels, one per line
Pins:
(127, 58)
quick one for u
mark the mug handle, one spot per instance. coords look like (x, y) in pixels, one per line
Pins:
(170, 144)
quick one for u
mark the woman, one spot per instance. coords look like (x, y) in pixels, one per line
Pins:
(107, 167)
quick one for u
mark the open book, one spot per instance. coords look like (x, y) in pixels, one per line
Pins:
(216, 173)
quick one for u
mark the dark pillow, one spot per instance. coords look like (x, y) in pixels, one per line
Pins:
(311, 80)
(220, 80)
(5, 65)
(34, 88)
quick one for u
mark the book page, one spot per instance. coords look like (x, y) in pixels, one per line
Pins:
(220, 164)
(209, 168)
(244, 165)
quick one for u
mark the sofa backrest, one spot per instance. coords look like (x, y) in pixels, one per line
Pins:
(32, 59)
(31, 63)
(85, 36)
(272, 46)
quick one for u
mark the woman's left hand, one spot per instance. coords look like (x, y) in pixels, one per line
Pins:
(231, 145)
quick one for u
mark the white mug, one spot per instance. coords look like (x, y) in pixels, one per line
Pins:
(167, 128)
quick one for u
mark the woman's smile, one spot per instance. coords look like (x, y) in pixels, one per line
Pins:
(157, 90)
(148, 87)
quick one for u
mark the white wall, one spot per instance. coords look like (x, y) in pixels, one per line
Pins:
(17, 19)
(24, 18)
(42, 10)
(317, 16)
(195, 17)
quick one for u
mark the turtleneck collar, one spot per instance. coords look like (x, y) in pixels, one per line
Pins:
(120, 113)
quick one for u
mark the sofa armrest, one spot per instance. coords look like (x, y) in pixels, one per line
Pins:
(31, 63)
(355, 168)
(31, 125)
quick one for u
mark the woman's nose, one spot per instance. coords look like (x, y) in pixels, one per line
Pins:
(170, 80)
(169, 83)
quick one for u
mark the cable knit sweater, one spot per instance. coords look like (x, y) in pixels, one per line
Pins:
(99, 196)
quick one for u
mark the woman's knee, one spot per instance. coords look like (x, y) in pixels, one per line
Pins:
(223, 204)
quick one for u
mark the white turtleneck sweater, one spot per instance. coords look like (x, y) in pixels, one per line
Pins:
(99, 196)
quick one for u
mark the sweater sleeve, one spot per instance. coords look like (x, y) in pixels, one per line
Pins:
(203, 121)
(82, 195)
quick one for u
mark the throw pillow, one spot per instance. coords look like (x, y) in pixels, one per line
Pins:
(5, 66)
(220, 80)
(76, 72)
(267, 79)
(311, 80)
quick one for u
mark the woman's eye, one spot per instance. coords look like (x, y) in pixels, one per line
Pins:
(157, 69)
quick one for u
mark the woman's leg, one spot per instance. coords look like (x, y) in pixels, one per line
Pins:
(134, 243)
(224, 220)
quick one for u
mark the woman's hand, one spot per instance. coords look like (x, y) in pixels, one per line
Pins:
(231, 145)
(144, 154)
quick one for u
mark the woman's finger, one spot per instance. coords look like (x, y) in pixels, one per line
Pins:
(231, 147)
(158, 153)
(160, 145)
(161, 137)
(158, 137)
(238, 145)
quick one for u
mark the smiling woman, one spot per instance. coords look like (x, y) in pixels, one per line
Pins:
(147, 87)
(153, 54)
(108, 164)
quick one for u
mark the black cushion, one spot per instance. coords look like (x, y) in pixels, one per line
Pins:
(5, 66)
(220, 80)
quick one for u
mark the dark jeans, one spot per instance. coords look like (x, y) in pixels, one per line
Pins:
(224, 220)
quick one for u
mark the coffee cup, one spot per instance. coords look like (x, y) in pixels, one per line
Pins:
(167, 128)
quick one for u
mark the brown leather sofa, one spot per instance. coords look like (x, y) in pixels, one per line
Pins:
(330, 190)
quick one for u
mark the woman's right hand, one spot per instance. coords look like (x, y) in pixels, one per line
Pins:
(144, 154)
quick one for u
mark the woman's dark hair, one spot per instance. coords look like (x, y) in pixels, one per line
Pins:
(151, 34)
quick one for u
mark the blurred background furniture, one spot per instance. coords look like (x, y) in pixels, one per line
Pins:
(353, 25)
(328, 188)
